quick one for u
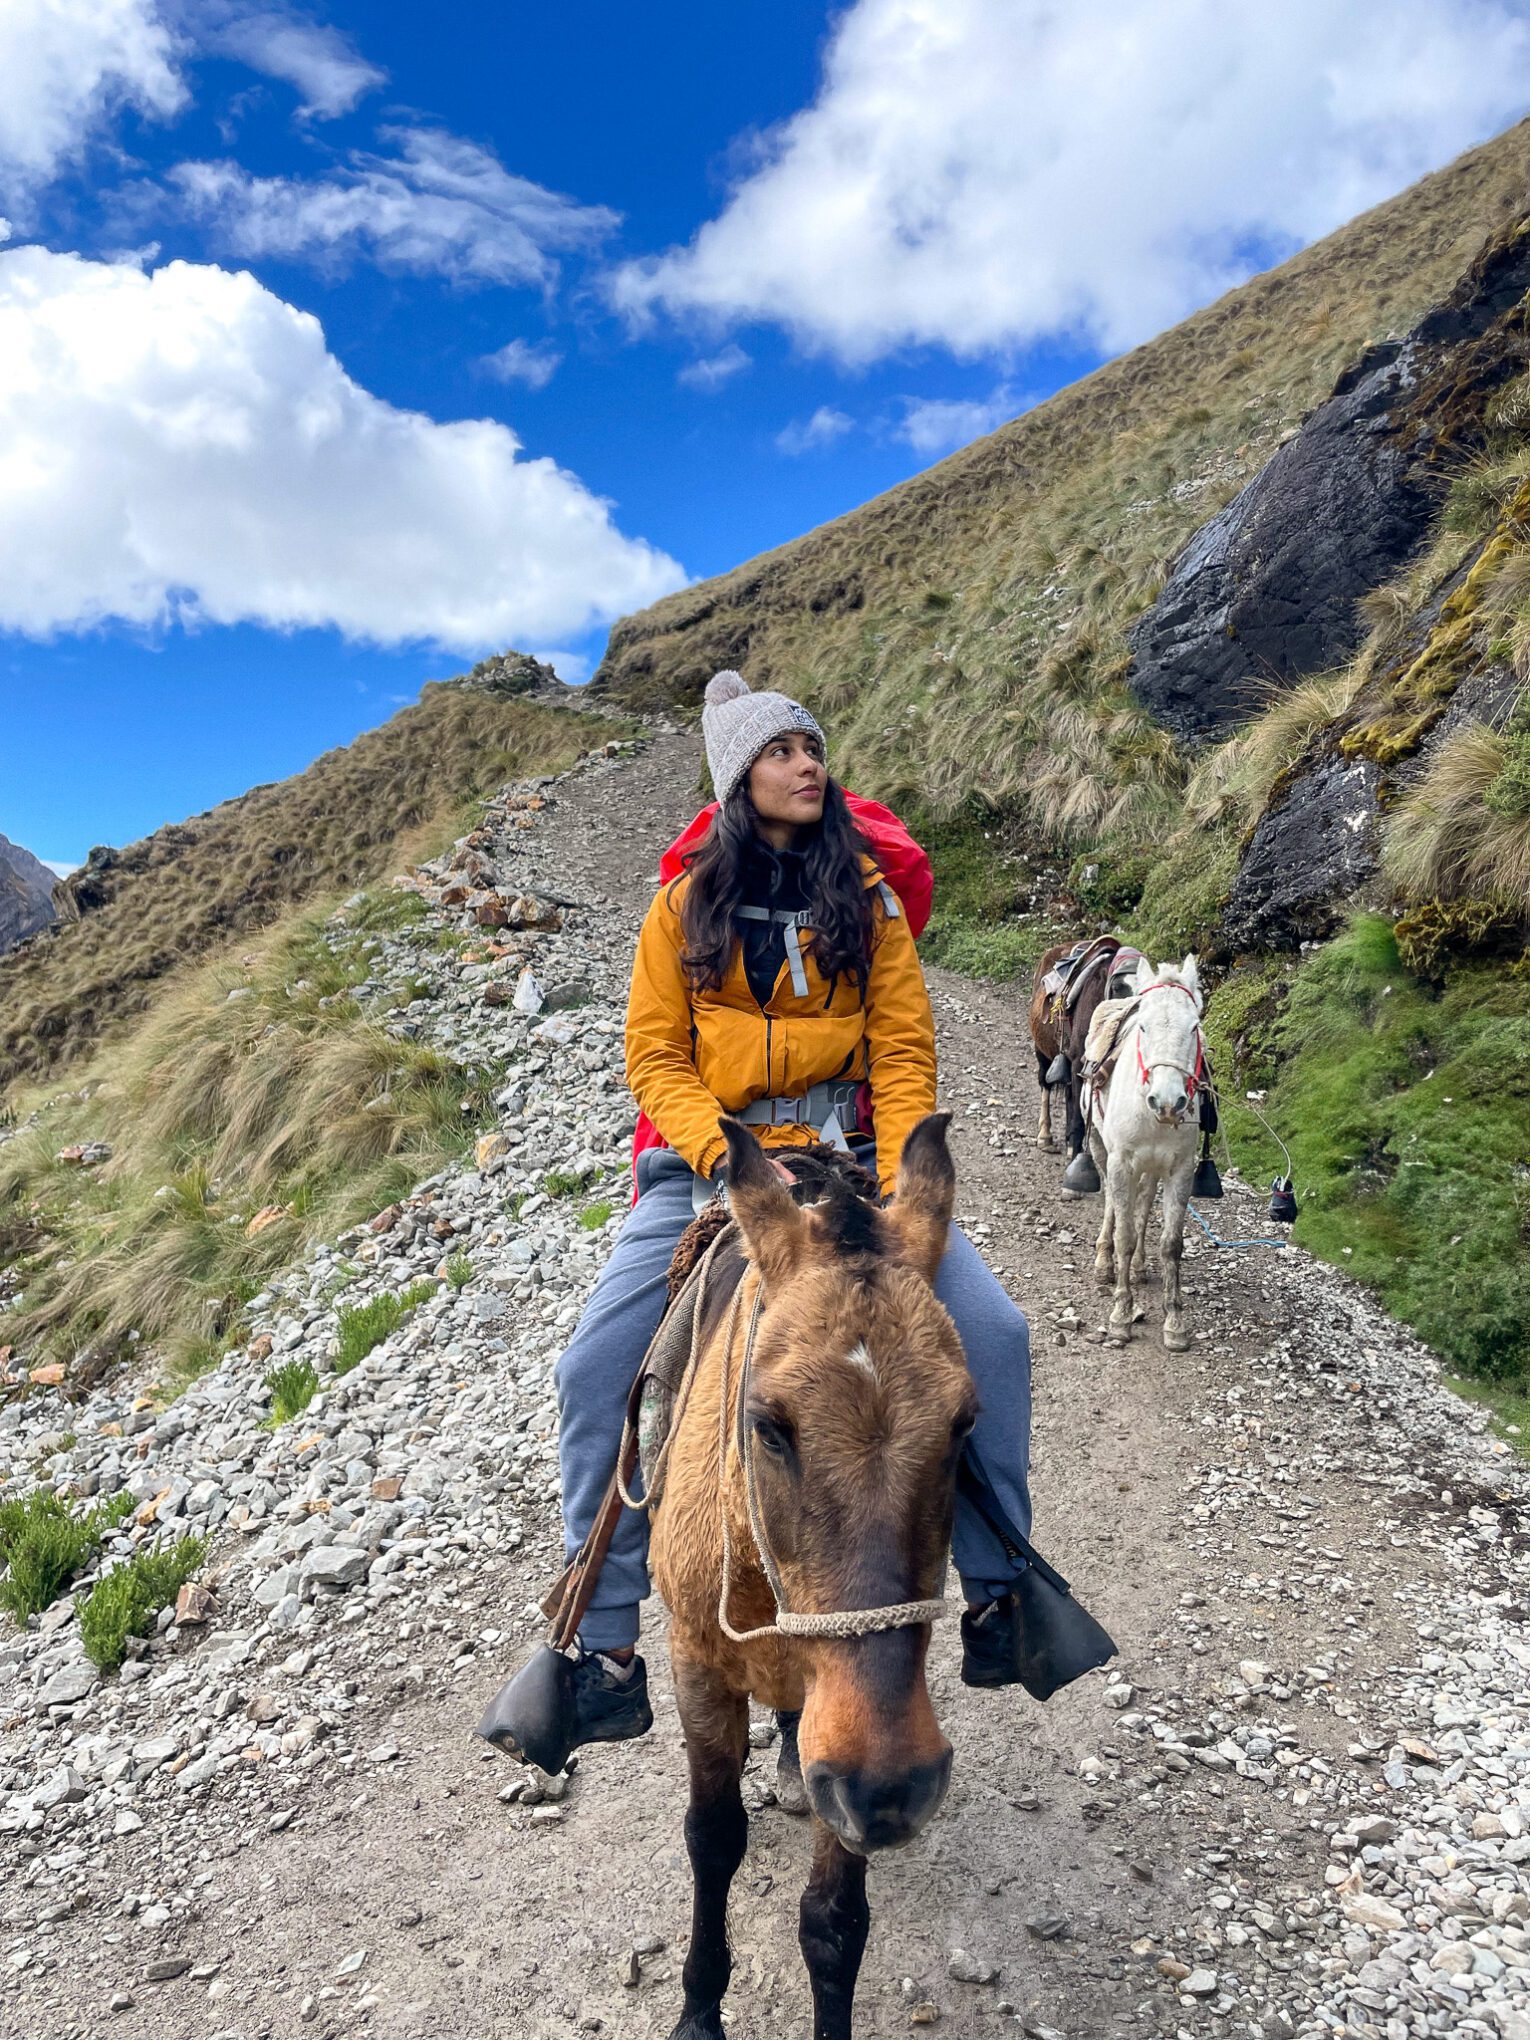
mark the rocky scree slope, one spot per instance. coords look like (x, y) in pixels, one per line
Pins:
(26, 894)
(1298, 1807)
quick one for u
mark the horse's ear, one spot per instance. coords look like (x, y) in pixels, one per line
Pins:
(773, 1226)
(921, 1211)
(1145, 975)
(1190, 977)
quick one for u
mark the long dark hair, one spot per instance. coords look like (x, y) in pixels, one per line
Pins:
(838, 899)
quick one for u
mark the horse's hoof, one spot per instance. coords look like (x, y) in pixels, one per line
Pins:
(1104, 1278)
(1120, 1335)
(1175, 1342)
(701, 2026)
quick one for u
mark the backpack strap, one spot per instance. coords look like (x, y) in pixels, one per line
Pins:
(791, 922)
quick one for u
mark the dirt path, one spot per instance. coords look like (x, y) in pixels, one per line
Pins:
(1271, 1500)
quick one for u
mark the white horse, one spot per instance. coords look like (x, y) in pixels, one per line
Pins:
(1144, 1122)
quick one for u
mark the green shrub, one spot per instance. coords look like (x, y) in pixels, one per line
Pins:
(1407, 1109)
(368, 1324)
(1437, 933)
(568, 1182)
(44, 1545)
(126, 1600)
(1184, 893)
(594, 1216)
(293, 1387)
(459, 1271)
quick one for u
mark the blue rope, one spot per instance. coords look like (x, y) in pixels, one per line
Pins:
(1217, 1240)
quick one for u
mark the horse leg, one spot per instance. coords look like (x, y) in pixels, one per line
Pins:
(716, 1725)
(832, 1926)
(1145, 1203)
(1104, 1256)
(1124, 1192)
(1077, 1134)
(1044, 1117)
(1171, 1246)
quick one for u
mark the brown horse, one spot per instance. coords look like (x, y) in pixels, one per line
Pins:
(1060, 1028)
(809, 1494)
(1047, 1020)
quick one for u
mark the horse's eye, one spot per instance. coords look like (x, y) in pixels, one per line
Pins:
(775, 1437)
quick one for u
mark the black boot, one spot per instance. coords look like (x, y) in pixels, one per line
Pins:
(556, 1702)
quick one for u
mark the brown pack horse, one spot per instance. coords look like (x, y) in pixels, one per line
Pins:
(809, 1494)
(1058, 1029)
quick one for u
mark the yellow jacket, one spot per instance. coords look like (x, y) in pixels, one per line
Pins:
(692, 1054)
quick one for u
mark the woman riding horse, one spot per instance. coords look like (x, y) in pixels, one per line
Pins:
(804, 1037)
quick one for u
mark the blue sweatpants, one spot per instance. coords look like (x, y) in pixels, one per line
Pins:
(621, 1317)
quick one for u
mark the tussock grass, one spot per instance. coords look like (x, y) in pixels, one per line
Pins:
(1463, 830)
(1041, 542)
(1406, 1111)
(218, 1107)
(1235, 779)
(44, 1544)
(594, 1216)
(189, 889)
(459, 1271)
(125, 1601)
(368, 1324)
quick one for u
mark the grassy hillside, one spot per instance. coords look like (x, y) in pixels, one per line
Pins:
(964, 637)
(185, 891)
(965, 631)
(257, 1107)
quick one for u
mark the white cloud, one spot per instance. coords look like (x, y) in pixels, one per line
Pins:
(521, 361)
(60, 866)
(328, 72)
(440, 205)
(714, 370)
(977, 173)
(934, 425)
(804, 435)
(181, 445)
(65, 67)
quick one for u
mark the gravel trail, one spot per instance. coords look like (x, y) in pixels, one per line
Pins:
(1297, 1805)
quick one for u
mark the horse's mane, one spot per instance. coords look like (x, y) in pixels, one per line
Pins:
(845, 1193)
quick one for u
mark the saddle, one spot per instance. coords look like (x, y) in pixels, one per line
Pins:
(1064, 983)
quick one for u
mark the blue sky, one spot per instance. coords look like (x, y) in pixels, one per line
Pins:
(340, 345)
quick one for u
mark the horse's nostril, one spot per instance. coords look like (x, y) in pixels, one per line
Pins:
(870, 1810)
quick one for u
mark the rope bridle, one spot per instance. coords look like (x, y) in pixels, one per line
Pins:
(1193, 1077)
(839, 1622)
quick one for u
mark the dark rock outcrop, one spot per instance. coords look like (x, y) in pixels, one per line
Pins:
(1267, 591)
(26, 894)
(1310, 852)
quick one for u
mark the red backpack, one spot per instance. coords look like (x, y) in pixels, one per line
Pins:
(902, 862)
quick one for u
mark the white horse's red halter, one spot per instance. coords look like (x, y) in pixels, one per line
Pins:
(1192, 1077)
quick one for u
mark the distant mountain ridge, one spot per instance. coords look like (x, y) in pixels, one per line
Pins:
(26, 894)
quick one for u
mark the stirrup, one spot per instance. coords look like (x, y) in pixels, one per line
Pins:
(1081, 1174)
(535, 1715)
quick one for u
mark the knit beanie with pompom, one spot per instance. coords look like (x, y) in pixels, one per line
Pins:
(736, 725)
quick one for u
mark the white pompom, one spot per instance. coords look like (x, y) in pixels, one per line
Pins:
(726, 686)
